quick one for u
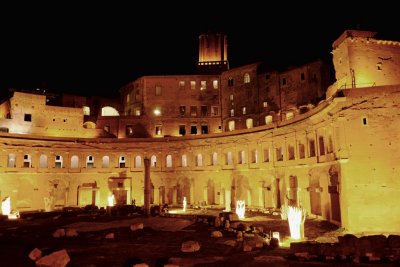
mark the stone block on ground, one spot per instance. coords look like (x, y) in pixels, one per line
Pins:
(110, 236)
(56, 259)
(190, 246)
(59, 233)
(71, 232)
(136, 226)
(35, 254)
(216, 234)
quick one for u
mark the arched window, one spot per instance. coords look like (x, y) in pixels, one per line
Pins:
(89, 161)
(43, 161)
(58, 162)
(242, 157)
(74, 162)
(27, 161)
(184, 160)
(11, 161)
(169, 161)
(249, 123)
(105, 162)
(86, 110)
(229, 158)
(109, 111)
(138, 162)
(121, 162)
(214, 159)
(246, 78)
(199, 160)
(153, 161)
(231, 125)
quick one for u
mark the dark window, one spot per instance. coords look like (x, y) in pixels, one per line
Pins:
(193, 111)
(204, 111)
(302, 77)
(312, 148)
(321, 145)
(182, 111)
(283, 81)
(129, 130)
(365, 122)
(204, 129)
(230, 82)
(182, 130)
(28, 117)
(193, 129)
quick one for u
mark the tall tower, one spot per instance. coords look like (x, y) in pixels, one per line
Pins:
(213, 53)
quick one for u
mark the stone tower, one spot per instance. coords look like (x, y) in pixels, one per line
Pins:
(213, 53)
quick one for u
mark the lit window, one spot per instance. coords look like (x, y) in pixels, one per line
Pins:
(203, 85)
(153, 161)
(231, 125)
(169, 161)
(249, 123)
(215, 84)
(231, 97)
(192, 85)
(199, 160)
(214, 160)
(214, 111)
(137, 111)
(158, 130)
(157, 111)
(128, 96)
(184, 160)
(138, 162)
(232, 112)
(244, 110)
(229, 158)
(265, 104)
(246, 78)
(86, 110)
(181, 84)
(158, 90)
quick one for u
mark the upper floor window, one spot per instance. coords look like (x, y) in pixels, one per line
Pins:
(27, 117)
(302, 76)
(86, 110)
(246, 78)
(182, 111)
(244, 110)
(158, 90)
(230, 81)
(181, 84)
(203, 85)
(215, 84)
(283, 81)
(192, 85)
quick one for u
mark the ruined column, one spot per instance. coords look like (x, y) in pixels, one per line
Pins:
(146, 186)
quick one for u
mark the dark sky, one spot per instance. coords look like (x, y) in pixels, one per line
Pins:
(96, 49)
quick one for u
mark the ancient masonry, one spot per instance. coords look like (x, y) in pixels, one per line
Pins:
(247, 133)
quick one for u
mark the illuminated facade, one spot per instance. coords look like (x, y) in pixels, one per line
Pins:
(338, 159)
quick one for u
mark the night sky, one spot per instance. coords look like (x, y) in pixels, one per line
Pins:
(89, 49)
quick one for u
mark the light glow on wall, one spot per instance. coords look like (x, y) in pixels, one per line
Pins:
(111, 200)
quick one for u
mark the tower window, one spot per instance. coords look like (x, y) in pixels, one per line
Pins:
(230, 81)
(302, 76)
(28, 117)
(283, 81)
(158, 90)
(182, 111)
(364, 121)
(246, 78)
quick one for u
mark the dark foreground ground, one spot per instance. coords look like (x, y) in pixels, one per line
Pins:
(159, 243)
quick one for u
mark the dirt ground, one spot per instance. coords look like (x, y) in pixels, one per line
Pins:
(157, 244)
